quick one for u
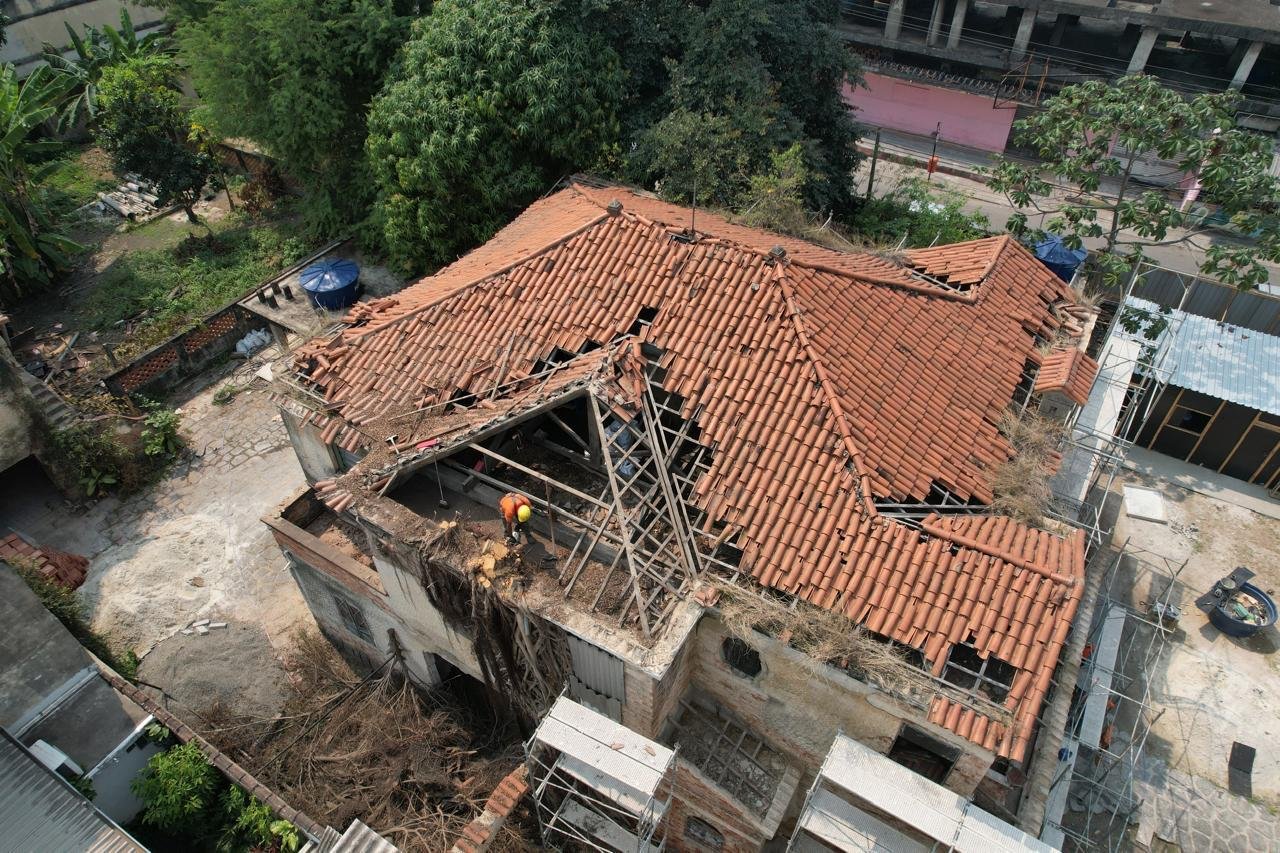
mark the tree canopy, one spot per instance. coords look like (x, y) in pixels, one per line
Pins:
(489, 104)
(94, 51)
(1094, 135)
(297, 76)
(144, 127)
(748, 79)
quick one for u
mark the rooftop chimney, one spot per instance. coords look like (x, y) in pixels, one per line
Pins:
(614, 208)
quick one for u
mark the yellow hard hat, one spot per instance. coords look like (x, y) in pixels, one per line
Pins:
(524, 513)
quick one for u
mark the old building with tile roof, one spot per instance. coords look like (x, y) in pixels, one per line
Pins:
(690, 402)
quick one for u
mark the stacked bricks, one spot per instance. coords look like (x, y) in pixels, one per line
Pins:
(58, 567)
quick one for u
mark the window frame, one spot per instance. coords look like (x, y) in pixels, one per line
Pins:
(708, 843)
(353, 619)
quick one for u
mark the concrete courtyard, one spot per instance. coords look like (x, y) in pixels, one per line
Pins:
(1207, 690)
(191, 547)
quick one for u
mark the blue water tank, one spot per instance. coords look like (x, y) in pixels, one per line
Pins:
(332, 284)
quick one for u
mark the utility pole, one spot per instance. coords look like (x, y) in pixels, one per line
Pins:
(875, 155)
(933, 155)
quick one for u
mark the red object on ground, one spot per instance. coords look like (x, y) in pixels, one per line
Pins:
(58, 566)
(933, 164)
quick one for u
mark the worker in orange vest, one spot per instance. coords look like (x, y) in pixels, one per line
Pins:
(516, 511)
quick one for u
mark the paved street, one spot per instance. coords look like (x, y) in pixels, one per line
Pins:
(1184, 257)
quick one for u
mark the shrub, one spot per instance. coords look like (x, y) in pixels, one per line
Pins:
(160, 431)
(178, 790)
(918, 214)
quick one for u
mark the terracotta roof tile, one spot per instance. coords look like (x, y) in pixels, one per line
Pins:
(1069, 372)
(821, 382)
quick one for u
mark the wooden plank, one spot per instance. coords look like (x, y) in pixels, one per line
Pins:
(1206, 429)
(1239, 441)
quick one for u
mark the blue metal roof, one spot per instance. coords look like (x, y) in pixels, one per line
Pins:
(1228, 362)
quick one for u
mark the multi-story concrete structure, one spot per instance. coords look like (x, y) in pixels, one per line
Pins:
(964, 68)
(720, 429)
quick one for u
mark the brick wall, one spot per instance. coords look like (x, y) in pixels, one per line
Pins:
(186, 354)
(695, 796)
(799, 705)
(481, 832)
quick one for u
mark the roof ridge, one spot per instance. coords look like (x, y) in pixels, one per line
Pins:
(825, 384)
(932, 526)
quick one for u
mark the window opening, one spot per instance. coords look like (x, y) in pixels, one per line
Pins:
(744, 659)
(923, 753)
(353, 619)
(989, 677)
(698, 830)
(1189, 420)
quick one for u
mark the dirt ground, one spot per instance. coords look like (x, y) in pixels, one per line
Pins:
(1212, 690)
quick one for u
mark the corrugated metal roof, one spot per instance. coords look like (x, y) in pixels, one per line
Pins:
(39, 811)
(359, 838)
(1228, 362)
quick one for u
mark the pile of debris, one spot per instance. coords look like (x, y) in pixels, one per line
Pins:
(413, 767)
(135, 199)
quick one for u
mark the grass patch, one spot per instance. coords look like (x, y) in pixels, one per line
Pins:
(79, 173)
(170, 288)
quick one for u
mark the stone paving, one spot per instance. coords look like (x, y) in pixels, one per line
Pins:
(1195, 815)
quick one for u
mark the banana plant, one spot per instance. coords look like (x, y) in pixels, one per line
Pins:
(91, 53)
(30, 251)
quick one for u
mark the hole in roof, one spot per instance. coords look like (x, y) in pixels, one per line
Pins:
(643, 320)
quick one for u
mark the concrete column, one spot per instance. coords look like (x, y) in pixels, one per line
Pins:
(935, 22)
(1060, 25)
(1142, 51)
(893, 23)
(1246, 65)
(957, 24)
(1023, 37)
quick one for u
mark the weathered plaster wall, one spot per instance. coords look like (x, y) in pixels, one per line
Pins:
(316, 458)
(420, 617)
(320, 590)
(799, 705)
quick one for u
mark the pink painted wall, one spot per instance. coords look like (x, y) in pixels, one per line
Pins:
(911, 107)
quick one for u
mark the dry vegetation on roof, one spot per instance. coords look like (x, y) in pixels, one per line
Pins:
(824, 635)
(413, 767)
(1020, 485)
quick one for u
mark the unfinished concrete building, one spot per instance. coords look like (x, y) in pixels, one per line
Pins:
(733, 441)
(966, 69)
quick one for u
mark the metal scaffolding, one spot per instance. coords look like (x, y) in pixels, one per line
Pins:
(596, 784)
(1092, 801)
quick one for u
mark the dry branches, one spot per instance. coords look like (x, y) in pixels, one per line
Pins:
(824, 635)
(414, 767)
(1020, 485)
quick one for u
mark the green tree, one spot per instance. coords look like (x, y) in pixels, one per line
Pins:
(916, 214)
(490, 103)
(94, 52)
(31, 252)
(1092, 135)
(751, 79)
(775, 200)
(144, 126)
(296, 76)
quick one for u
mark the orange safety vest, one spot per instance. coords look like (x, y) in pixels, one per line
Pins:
(510, 505)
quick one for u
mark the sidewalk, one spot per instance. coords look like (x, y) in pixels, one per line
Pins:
(912, 150)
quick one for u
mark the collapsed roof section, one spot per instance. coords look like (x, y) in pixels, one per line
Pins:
(818, 383)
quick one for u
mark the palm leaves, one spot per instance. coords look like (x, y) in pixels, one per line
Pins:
(92, 53)
(29, 252)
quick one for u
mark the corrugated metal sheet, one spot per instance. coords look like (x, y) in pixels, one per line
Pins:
(360, 839)
(925, 806)
(1228, 362)
(1204, 297)
(598, 671)
(38, 811)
